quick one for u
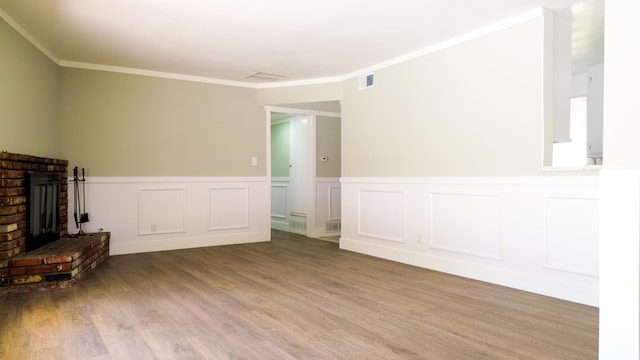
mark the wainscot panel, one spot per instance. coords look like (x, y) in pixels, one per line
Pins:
(279, 203)
(537, 234)
(327, 220)
(328, 207)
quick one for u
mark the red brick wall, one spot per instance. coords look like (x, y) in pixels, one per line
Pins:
(13, 203)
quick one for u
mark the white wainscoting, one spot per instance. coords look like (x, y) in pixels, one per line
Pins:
(467, 223)
(328, 207)
(327, 202)
(162, 210)
(228, 207)
(538, 234)
(569, 244)
(381, 214)
(154, 214)
(279, 203)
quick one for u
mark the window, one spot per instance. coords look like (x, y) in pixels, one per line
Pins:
(574, 153)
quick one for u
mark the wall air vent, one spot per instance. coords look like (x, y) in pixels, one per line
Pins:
(366, 81)
(267, 77)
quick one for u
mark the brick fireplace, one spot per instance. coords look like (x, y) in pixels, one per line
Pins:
(57, 264)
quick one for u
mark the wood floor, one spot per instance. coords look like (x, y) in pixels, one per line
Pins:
(291, 298)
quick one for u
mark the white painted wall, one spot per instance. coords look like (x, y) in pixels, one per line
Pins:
(579, 85)
(153, 214)
(538, 234)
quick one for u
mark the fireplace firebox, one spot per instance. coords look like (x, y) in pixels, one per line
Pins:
(43, 207)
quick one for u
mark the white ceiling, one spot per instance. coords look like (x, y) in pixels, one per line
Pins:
(233, 39)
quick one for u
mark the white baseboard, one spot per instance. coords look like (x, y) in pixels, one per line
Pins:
(152, 245)
(576, 292)
(279, 226)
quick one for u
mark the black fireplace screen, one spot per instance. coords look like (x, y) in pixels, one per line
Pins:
(43, 210)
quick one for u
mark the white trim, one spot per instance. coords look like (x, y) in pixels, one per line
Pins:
(504, 180)
(501, 25)
(156, 74)
(312, 219)
(328, 179)
(194, 78)
(316, 81)
(593, 168)
(134, 247)
(28, 36)
(176, 179)
(294, 111)
(267, 179)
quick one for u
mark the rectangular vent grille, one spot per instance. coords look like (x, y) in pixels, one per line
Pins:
(333, 226)
(267, 76)
(298, 221)
(366, 81)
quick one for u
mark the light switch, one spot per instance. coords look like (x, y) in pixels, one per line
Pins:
(254, 161)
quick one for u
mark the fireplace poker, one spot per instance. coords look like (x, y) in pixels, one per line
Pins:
(75, 196)
(80, 215)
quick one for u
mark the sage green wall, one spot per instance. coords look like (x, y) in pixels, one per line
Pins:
(300, 94)
(127, 125)
(280, 159)
(29, 84)
(328, 144)
(474, 109)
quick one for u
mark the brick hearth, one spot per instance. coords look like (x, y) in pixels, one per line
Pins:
(58, 264)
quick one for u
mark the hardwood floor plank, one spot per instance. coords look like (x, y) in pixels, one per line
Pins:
(291, 298)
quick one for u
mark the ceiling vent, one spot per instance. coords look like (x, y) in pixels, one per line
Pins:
(267, 77)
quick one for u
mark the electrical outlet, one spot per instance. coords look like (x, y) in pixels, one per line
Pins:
(154, 228)
(419, 238)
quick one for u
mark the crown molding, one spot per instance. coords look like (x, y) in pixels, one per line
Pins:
(151, 73)
(504, 24)
(25, 34)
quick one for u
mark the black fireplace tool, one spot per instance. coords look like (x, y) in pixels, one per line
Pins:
(79, 210)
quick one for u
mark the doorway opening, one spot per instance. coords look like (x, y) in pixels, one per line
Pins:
(304, 172)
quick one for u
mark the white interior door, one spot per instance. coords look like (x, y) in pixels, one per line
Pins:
(301, 158)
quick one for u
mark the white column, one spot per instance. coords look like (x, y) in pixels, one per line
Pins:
(619, 263)
(620, 185)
